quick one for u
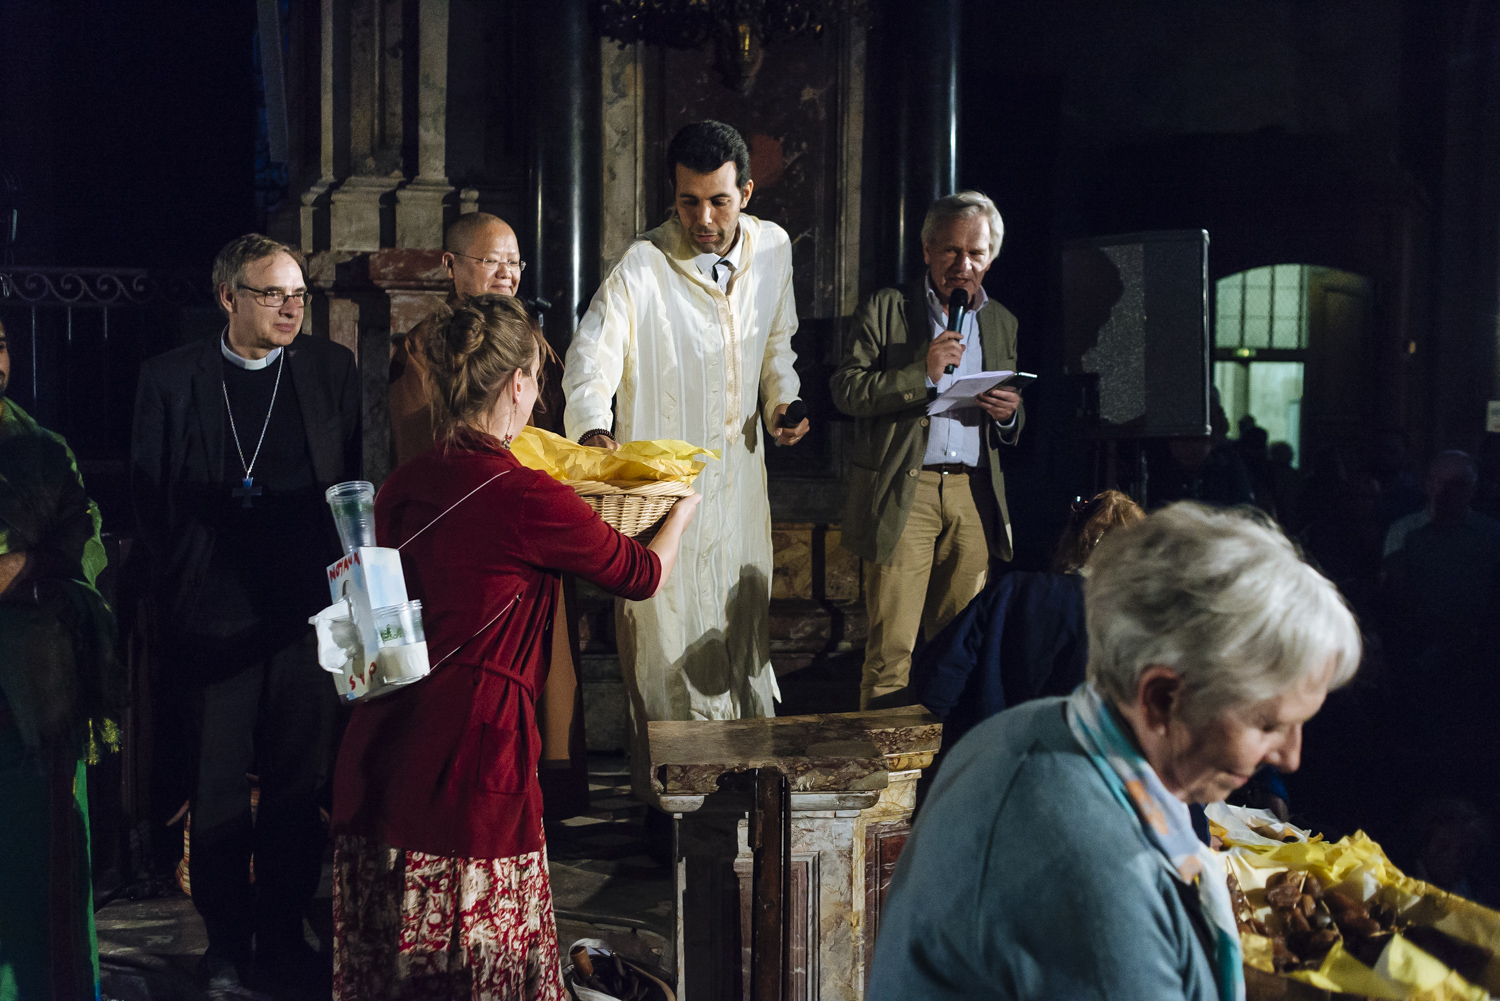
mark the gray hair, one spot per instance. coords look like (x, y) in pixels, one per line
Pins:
(229, 266)
(1222, 598)
(962, 205)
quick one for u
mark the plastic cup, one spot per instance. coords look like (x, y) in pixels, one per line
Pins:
(403, 644)
(400, 625)
(353, 505)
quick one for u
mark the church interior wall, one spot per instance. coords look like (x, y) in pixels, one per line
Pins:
(1347, 133)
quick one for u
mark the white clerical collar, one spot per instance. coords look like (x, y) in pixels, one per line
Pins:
(940, 312)
(248, 364)
(727, 263)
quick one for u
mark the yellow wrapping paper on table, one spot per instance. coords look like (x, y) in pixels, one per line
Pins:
(1358, 865)
(633, 462)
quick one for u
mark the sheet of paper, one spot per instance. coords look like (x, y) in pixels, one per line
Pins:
(963, 391)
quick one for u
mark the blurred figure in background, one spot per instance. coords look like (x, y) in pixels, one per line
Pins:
(1286, 483)
(1252, 446)
(1208, 469)
(1023, 636)
(1445, 843)
(1439, 618)
(1341, 530)
(1487, 499)
(1451, 488)
(58, 677)
(1390, 461)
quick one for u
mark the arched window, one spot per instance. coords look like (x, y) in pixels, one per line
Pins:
(1284, 328)
(1260, 349)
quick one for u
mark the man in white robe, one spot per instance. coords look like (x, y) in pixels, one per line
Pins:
(690, 335)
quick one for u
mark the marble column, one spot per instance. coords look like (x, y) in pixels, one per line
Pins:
(425, 206)
(333, 119)
(628, 175)
(363, 214)
(920, 41)
(565, 191)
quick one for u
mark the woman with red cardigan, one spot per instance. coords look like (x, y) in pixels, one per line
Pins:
(440, 866)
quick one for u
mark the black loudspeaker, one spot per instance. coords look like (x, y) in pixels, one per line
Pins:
(1135, 323)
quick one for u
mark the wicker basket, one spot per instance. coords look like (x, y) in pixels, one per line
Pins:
(631, 509)
(638, 517)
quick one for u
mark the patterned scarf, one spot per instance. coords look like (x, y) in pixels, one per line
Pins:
(1167, 823)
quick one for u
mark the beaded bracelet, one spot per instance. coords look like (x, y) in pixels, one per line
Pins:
(595, 431)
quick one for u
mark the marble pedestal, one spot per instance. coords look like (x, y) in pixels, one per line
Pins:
(852, 778)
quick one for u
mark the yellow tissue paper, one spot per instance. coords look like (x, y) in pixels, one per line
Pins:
(636, 461)
(1359, 867)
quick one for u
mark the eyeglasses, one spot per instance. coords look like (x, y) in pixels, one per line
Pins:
(276, 298)
(493, 265)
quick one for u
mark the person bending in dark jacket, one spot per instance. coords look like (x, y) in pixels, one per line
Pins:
(1023, 636)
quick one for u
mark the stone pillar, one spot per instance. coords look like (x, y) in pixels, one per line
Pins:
(424, 206)
(627, 176)
(333, 152)
(364, 205)
(921, 42)
(565, 176)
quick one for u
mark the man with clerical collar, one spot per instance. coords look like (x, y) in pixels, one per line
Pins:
(690, 337)
(481, 257)
(235, 439)
(926, 497)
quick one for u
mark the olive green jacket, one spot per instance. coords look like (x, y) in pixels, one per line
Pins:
(882, 382)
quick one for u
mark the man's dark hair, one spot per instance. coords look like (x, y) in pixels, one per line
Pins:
(703, 147)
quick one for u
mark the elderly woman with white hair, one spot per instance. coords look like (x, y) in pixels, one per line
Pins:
(1054, 857)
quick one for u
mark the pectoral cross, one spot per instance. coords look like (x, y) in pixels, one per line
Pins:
(247, 491)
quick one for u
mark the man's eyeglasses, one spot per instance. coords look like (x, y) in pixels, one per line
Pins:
(275, 298)
(491, 264)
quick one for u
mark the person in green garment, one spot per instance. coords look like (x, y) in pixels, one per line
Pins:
(59, 684)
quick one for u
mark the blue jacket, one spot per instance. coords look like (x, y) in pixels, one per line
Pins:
(1025, 878)
(1021, 638)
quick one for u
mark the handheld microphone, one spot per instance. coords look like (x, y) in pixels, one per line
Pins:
(796, 413)
(958, 305)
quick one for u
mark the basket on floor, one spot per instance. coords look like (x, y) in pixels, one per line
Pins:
(634, 509)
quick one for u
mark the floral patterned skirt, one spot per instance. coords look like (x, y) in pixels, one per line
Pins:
(408, 926)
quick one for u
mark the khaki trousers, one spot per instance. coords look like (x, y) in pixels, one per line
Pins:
(941, 562)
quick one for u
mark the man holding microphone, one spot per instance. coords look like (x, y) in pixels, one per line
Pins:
(926, 495)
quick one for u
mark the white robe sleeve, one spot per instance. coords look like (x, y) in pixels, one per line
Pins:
(778, 379)
(596, 357)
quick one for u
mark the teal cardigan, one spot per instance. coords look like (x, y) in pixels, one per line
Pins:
(1024, 877)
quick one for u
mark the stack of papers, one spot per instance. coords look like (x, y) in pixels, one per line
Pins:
(963, 391)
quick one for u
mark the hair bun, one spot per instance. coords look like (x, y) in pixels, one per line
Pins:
(477, 343)
(466, 334)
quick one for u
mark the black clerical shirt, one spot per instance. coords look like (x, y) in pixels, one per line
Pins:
(266, 575)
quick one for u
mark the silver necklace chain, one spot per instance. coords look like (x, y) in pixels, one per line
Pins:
(280, 364)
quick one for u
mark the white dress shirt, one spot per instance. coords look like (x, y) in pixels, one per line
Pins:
(954, 435)
(719, 269)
